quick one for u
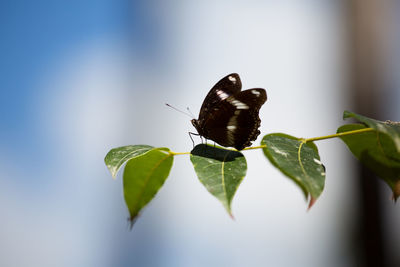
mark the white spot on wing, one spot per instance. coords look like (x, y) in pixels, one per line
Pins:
(232, 121)
(238, 104)
(231, 127)
(255, 92)
(221, 94)
(232, 79)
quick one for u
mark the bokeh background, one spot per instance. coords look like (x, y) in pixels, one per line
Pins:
(78, 78)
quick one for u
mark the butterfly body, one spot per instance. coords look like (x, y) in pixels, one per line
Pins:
(228, 115)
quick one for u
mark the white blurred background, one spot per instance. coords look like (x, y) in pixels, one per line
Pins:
(79, 78)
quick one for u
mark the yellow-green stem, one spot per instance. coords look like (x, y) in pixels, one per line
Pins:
(255, 147)
(305, 140)
(178, 153)
(338, 135)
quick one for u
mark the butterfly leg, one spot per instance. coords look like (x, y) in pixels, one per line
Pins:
(190, 135)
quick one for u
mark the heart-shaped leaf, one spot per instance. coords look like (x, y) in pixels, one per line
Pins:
(298, 160)
(220, 170)
(143, 177)
(118, 156)
(377, 151)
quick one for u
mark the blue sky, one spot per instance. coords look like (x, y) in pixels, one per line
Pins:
(34, 34)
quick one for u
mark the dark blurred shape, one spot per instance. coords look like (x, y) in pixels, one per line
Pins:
(369, 31)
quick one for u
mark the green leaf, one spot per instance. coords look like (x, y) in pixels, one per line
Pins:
(143, 177)
(220, 170)
(298, 160)
(118, 156)
(377, 151)
(392, 129)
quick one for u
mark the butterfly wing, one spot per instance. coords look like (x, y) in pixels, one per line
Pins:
(234, 122)
(227, 86)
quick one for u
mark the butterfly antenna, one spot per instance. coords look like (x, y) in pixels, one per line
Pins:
(188, 109)
(179, 110)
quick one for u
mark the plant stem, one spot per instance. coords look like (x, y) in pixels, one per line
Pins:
(338, 135)
(178, 153)
(255, 147)
(305, 140)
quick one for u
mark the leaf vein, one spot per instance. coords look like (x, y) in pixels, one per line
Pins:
(147, 179)
(301, 164)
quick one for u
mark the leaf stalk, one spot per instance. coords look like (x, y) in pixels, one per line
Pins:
(338, 135)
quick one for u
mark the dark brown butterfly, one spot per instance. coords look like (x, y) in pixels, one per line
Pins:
(228, 115)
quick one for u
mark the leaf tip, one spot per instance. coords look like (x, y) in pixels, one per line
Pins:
(131, 221)
(346, 114)
(312, 201)
(228, 209)
(396, 191)
(113, 173)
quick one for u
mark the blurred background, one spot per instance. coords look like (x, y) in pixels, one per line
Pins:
(78, 78)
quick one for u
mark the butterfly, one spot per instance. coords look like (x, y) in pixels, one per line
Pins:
(228, 115)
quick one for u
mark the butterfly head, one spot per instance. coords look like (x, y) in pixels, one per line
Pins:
(196, 125)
